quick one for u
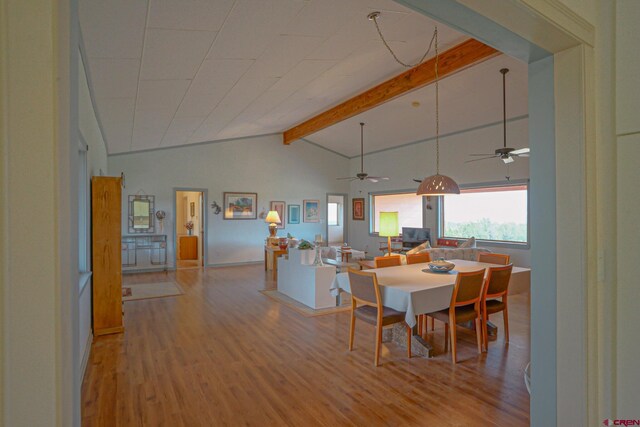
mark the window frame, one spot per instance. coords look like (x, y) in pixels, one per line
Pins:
(486, 242)
(372, 207)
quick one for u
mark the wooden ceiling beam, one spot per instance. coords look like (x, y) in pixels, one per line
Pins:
(451, 61)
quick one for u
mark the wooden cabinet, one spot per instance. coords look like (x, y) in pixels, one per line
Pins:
(188, 247)
(106, 212)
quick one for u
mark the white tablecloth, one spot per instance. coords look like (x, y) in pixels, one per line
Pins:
(408, 288)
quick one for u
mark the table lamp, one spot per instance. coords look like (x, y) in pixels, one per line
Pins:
(388, 227)
(273, 219)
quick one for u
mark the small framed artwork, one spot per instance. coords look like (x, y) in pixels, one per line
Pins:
(311, 210)
(240, 205)
(192, 209)
(279, 207)
(293, 214)
(357, 208)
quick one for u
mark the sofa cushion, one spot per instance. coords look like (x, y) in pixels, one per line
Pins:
(469, 243)
(469, 254)
(420, 248)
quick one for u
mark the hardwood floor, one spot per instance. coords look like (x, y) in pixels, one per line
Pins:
(224, 354)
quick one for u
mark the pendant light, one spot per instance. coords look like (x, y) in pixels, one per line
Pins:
(437, 185)
(434, 185)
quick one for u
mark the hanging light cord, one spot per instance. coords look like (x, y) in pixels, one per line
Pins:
(435, 36)
(374, 17)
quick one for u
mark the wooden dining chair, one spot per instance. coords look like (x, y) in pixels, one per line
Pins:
(387, 261)
(501, 259)
(418, 258)
(464, 307)
(366, 305)
(496, 286)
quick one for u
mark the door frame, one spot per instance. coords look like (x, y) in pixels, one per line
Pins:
(205, 224)
(345, 217)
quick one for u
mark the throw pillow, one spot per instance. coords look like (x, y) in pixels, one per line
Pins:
(469, 243)
(449, 243)
(419, 248)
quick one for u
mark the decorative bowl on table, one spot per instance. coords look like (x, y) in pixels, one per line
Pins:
(441, 266)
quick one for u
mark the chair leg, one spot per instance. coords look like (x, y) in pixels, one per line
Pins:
(485, 333)
(505, 316)
(433, 321)
(378, 343)
(409, 333)
(352, 330)
(446, 337)
(479, 334)
(452, 331)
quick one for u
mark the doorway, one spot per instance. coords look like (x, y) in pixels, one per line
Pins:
(190, 228)
(336, 219)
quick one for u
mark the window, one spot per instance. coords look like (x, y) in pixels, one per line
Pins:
(409, 206)
(498, 213)
(332, 213)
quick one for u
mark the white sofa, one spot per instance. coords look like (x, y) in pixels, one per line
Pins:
(469, 254)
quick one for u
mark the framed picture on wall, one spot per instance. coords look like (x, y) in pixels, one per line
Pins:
(357, 208)
(311, 210)
(279, 207)
(240, 205)
(293, 214)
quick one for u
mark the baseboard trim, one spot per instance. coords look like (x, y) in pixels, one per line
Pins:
(147, 270)
(235, 264)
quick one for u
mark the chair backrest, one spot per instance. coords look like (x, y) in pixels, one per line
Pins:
(418, 258)
(387, 261)
(490, 258)
(364, 287)
(497, 281)
(468, 288)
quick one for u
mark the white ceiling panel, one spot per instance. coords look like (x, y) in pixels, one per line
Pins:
(180, 129)
(119, 137)
(161, 94)
(117, 110)
(323, 18)
(114, 78)
(251, 26)
(206, 15)
(284, 53)
(174, 54)
(114, 28)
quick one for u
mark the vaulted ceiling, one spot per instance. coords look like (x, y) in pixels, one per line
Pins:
(173, 72)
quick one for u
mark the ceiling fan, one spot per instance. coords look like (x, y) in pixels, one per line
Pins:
(362, 175)
(504, 153)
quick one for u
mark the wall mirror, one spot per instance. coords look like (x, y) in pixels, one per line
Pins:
(141, 214)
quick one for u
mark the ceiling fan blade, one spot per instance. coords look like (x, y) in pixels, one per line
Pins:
(377, 178)
(520, 151)
(507, 160)
(520, 155)
(351, 178)
(419, 181)
(484, 158)
(486, 154)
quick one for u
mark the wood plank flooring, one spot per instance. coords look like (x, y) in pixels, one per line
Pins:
(223, 354)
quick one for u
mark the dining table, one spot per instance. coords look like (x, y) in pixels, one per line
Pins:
(416, 290)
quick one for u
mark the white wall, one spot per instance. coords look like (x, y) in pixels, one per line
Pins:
(627, 67)
(96, 162)
(403, 164)
(260, 165)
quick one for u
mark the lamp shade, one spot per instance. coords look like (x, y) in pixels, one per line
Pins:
(272, 218)
(388, 224)
(437, 185)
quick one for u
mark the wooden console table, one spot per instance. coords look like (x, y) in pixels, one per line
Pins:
(271, 255)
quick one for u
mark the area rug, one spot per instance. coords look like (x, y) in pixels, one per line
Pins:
(303, 309)
(136, 291)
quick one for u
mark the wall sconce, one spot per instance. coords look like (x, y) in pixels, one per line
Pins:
(216, 208)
